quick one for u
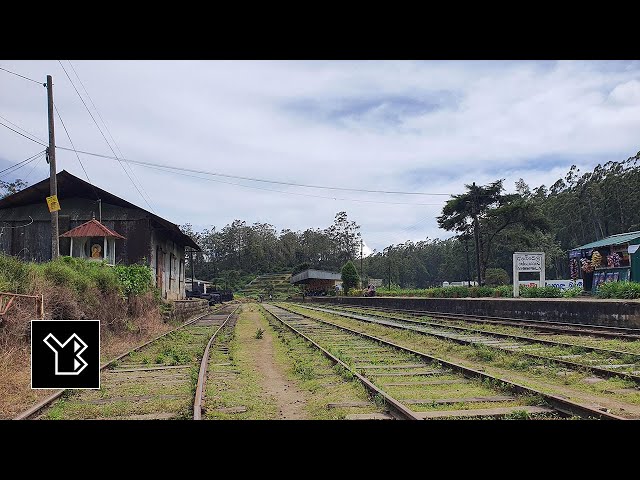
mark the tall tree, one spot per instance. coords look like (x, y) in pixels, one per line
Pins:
(463, 213)
(9, 188)
(350, 278)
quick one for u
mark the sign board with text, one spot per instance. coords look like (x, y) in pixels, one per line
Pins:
(53, 204)
(561, 284)
(527, 262)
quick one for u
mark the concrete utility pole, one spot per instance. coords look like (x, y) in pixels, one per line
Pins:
(192, 276)
(361, 271)
(53, 181)
(476, 231)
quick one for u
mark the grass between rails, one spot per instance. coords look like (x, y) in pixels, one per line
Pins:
(143, 392)
(16, 394)
(543, 376)
(242, 389)
(586, 358)
(316, 374)
(303, 365)
(631, 346)
(622, 345)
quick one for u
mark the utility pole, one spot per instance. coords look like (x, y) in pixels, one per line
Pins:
(361, 271)
(389, 265)
(476, 230)
(192, 276)
(466, 249)
(53, 181)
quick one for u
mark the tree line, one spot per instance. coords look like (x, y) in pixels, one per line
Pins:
(488, 226)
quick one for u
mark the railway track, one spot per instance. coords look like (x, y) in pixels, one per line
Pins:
(415, 385)
(602, 362)
(539, 325)
(219, 343)
(152, 381)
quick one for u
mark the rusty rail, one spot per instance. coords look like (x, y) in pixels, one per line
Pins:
(401, 411)
(386, 321)
(54, 396)
(563, 405)
(204, 367)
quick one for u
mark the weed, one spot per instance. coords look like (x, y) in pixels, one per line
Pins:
(482, 352)
(379, 401)
(518, 415)
(259, 333)
(304, 370)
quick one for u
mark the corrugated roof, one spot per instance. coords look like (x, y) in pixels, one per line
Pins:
(315, 274)
(612, 240)
(71, 186)
(92, 228)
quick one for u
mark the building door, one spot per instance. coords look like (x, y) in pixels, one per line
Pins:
(159, 268)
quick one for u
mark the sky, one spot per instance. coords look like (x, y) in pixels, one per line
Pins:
(420, 127)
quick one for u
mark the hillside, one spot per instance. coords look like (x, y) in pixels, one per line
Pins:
(276, 284)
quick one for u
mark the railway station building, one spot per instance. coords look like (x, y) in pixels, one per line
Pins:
(317, 282)
(96, 225)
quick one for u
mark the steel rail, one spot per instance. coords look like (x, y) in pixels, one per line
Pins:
(401, 410)
(567, 363)
(54, 396)
(542, 325)
(204, 367)
(561, 404)
(491, 333)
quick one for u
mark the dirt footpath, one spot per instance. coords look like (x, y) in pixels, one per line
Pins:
(289, 399)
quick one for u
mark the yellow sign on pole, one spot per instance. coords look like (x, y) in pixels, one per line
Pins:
(53, 203)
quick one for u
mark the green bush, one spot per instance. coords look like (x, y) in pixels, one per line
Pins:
(14, 274)
(572, 292)
(618, 290)
(504, 291)
(496, 276)
(134, 279)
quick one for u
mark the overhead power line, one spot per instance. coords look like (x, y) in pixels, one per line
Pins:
(74, 149)
(17, 166)
(22, 76)
(291, 193)
(35, 165)
(108, 131)
(103, 136)
(238, 177)
(23, 135)
(22, 129)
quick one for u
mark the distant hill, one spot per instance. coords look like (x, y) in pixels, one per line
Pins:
(275, 283)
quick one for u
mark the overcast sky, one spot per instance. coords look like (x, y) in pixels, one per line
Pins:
(427, 126)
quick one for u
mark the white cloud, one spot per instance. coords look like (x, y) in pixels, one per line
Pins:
(366, 130)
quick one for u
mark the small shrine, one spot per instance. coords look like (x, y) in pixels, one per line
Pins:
(93, 241)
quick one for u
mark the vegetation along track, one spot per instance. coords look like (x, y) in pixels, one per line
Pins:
(220, 343)
(156, 380)
(415, 385)
(603, 362)
(537, 325)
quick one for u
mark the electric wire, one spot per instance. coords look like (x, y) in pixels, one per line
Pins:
(23, 135)
(32, 170)
(22, 129)
(22, 76)
(288, 193)
(74, 149)
(108, 131)
(205, 172)
(17, 166)
(103, 135)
